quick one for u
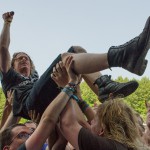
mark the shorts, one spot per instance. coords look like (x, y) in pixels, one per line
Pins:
(44, 90)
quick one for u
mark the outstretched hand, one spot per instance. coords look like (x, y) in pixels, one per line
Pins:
(35, 117)
(60, 75)
(69, 67)
(10, 97)
(8, 16)
(9, 100)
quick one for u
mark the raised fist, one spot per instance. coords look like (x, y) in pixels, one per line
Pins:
(8, 16)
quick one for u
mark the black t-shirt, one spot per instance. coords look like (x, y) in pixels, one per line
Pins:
(89, 141)
(22, 86)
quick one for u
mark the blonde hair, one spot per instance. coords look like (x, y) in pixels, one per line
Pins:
(119, 122)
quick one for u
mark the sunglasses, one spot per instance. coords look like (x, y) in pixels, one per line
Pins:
(22, 135)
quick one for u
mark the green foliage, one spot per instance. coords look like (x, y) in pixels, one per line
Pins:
(88, 95)
(138, 98)
(135, 100)
(2, 102)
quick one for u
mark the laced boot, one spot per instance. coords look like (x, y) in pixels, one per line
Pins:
(131, 55)
(107, 86)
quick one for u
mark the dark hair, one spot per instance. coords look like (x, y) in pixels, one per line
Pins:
(6, 135)
(13, 60)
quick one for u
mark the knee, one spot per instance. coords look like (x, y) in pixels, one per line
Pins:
(65, 55)
(79, 49)
(72, 50)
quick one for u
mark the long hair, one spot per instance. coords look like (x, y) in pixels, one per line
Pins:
(119, 122)
(31, 62)
(6, 135)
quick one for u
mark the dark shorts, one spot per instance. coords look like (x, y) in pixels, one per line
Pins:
(44, 90)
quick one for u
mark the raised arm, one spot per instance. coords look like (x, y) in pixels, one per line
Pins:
(4, 42)
(69, 125)
(8, 118)
(10, 121)
(51, 114)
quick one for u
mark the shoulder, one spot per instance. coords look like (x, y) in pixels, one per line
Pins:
(88, 141)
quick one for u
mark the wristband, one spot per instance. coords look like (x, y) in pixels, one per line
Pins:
(73, 85)
(68, 90)
(83, 105)
(75, 98)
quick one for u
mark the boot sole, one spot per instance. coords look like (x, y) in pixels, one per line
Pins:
(142, 62)
(122, 92)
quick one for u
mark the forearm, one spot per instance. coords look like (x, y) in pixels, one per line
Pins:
(10, 120)
(89, 113)
(69, 124)
(51, 114)
(5, 35)
(6, 112)
(86, 109)
(4, 52)
(52, 139)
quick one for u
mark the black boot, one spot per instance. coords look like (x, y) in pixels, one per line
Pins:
(131, 55)
(107, 86)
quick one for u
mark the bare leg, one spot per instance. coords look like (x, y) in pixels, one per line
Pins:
(89, 64)
(85, 63)
(89, 78)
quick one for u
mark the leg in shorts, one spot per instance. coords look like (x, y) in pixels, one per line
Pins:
(44, 90)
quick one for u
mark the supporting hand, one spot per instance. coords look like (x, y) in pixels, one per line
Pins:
(60, 75)
(35, 117)
(69, 67)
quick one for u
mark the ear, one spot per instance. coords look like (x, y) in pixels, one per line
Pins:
(6, 148)
(101, 132)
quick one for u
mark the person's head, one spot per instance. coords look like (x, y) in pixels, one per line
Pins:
(14, 136)
(115, 120)
(21, 62)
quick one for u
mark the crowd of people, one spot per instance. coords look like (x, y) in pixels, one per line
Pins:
(60, 118)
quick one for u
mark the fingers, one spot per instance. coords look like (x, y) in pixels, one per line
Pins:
(8, 16)
(12, 13)
(53, 77)
(10, 96)
(35, 116)
(69, 59)
(55, 73)
(58, 70)
(58, 67)
(63, 68)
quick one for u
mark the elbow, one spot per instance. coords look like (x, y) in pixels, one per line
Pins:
(48, 121)
(65, 124)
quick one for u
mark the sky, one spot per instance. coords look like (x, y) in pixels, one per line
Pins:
(45, 28)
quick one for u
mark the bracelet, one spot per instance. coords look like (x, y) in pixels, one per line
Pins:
(83, 105)
(73, 85)
(75, 98)
(68, 90)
